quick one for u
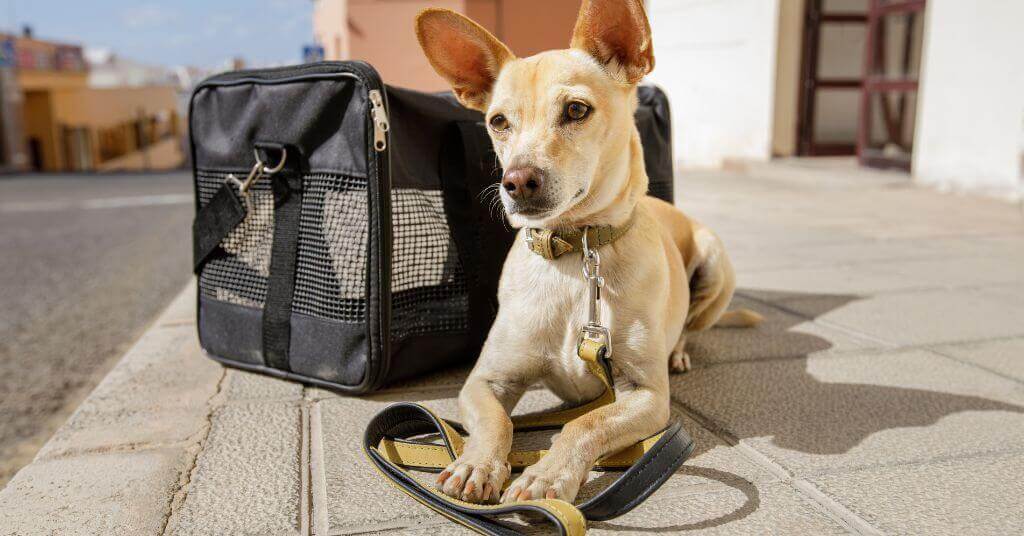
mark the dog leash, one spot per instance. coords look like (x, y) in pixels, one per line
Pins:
(390, 445)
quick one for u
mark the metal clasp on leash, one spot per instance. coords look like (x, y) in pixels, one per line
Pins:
(258, 171)
(595, 340)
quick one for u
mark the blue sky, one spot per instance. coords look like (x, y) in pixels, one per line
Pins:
(178, 32)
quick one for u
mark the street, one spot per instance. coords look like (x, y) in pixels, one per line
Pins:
(86, 262)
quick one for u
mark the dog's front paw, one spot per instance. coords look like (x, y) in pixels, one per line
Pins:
(474, 480)
(544, 481)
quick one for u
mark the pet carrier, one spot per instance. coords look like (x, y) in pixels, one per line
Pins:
(341, 238)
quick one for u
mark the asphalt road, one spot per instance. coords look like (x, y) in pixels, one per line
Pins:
(86, 263)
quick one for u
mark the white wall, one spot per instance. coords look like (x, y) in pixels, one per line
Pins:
(970, 130)
(716, 61)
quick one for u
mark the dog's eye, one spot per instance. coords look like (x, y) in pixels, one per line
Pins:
(576, 111)
(499, 123)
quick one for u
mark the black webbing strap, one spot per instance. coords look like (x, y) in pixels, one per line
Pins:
(401, 421)
(277, 310)
(212, 224)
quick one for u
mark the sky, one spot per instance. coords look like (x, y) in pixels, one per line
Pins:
(172, 32)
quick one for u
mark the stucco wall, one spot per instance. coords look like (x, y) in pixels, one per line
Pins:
(970, 131)
(716, 60)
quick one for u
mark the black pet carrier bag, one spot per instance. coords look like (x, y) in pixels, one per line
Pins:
(341, 236)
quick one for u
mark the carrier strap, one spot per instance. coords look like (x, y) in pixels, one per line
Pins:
(277, 310)
(213, 223)
(646, 464)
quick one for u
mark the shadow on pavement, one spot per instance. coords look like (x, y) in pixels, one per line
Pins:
(788, 403)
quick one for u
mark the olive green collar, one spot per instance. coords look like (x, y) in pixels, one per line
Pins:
(551, 243)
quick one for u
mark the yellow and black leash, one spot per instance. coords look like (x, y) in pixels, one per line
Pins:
(646, 465)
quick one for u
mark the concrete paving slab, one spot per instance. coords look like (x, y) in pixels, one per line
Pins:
(781, 335)
(157, 394)
(122, 492)
(824, 414)
(978, 495)
(862, 252)
(1003, 356)
(957, 272)
(921, 318)
(858, 280)
(246, 387)
(743, 509)
(247, 479)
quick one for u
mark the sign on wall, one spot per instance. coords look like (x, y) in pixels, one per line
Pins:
(312, 53)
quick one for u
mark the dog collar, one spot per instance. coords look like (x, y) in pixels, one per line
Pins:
(551, 243)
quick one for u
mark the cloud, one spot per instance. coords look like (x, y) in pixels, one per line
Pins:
(147, 16)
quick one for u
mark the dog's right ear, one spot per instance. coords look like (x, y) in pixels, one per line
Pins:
(463, 53)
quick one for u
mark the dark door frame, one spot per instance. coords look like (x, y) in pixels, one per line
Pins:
(810, 82)
(877, 83)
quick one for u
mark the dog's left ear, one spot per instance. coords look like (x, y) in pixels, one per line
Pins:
(617, 34)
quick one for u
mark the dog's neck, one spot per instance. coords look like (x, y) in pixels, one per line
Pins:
(613, 207)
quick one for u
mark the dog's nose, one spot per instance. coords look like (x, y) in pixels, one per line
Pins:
(521, 183)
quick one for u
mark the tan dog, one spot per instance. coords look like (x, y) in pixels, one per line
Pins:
(562, 126)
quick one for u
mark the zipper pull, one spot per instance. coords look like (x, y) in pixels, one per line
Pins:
(380, 121)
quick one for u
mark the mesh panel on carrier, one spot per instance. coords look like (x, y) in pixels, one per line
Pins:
(428, 282)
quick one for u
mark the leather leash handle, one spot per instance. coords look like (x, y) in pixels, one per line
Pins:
(407, 419)
(644, 476)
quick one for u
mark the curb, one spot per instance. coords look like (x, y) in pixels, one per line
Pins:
(119, 463)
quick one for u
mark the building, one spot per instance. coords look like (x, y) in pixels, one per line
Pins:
(935, 87)
(55, 120)
(381, 31)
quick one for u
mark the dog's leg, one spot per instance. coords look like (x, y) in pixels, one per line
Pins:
(679, 360)
(485, 402)
(641, 409)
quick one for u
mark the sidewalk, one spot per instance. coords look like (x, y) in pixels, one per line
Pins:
(884, 394)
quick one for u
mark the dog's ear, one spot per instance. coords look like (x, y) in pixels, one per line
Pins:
(463, 53)
(617, 34)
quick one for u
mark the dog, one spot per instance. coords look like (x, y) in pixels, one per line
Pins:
(563, 129)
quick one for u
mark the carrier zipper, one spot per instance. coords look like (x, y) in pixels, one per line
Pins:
(380, 121)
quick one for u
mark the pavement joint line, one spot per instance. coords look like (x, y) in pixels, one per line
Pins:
(966, 456)
(122, 448)
(935, 349)
(320, 523)
(305, 499)
(215, 402)
(832, 508)
(396, 525)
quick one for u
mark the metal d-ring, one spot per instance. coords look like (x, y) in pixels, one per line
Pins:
(260, 170)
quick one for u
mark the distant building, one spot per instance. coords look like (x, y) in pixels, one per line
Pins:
(381, 31)
(935, 87)
(57, 117)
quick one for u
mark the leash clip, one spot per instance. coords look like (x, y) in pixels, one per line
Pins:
(595, 340)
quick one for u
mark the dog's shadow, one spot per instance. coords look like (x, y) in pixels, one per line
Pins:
(811, 416)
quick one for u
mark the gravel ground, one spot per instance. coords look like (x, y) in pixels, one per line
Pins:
(86, 262)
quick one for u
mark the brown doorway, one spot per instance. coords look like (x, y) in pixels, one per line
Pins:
(892, 63)
(831, 76)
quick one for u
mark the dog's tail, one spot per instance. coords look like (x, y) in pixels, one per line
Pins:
(740, 318)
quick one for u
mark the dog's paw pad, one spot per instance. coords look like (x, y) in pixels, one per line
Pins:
(473, 481)
(679, 362)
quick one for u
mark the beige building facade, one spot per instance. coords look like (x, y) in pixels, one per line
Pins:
(54, 121)
(381, 31)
